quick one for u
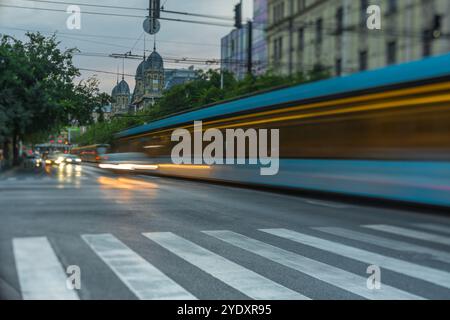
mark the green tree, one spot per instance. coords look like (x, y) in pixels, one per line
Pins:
(38, 95)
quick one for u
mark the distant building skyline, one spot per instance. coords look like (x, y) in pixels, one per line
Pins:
(235, 45)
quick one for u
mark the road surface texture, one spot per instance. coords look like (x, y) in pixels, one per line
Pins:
(142, 237)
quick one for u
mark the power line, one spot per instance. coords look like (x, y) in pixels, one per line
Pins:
(217, 24)
(108, 36)
(102, 71)
(210, 16)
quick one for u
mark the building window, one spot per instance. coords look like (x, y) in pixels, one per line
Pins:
(338, 67)
(301, 39)
(278, 12)
(319, 30)
(301, 5)
(391, 52)
(155, 83)
(392, 6)
(278, 49)
(427, 43)
(363, 63)
(363, 12)
(339, 20)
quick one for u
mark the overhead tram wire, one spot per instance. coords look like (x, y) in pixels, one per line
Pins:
(209, 16)
(62, 34)
(331, 30)
(217, 24)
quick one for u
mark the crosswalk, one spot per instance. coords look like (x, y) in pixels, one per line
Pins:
(42, 275)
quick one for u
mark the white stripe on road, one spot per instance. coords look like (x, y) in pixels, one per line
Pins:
(324, 272)
(326, 204)
(433, 227)
(41, 276)
(438, 277)
(410, 233)
(142, 278)
(387, 243)
(246, 281)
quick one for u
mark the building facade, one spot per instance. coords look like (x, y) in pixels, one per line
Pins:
(120, 98)
(175, 77)
(235, 45)
(234, 52)
(149, 82)
(304, 34)
(259, 41)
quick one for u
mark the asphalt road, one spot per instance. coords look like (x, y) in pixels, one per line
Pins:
(146, 237)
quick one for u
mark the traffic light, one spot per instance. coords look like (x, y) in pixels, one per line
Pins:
(437, 26)
(155, 9)
(238, 16)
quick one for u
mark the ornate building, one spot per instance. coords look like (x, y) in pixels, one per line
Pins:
(120, 98)
(149, 81)
(302, 34)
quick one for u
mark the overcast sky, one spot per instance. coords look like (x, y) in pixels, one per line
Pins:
(114, 34)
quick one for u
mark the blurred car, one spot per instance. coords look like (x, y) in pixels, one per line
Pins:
(61, 158)
(67, 159)
(71, 159)
(32, 161)
(52, 158)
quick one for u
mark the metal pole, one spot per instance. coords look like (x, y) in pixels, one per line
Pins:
(250, 48)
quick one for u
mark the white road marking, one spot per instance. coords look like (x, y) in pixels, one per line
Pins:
(141, 277)
(246, 281)
(438, 277)
(324, 272)
(41, 276)
(326, 204)
(387, 243)
(433, 227)
(410, 233)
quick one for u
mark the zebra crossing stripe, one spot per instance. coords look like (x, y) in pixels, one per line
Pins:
(246, 281)
(437, 277)
(410, 233)
(386, 243)
(433, 227)
(141, 277)
(321, 271)
(41, 276)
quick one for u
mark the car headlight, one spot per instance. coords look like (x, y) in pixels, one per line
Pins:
(69, 160)
(48, 161)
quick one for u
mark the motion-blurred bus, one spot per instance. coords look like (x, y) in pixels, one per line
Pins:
(91, 153)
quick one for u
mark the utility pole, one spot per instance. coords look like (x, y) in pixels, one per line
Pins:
(291, 35)
(250, 48)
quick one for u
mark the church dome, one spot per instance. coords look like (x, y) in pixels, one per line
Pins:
(114, 91)
(122, 88)
(154, 62)
(140, 70)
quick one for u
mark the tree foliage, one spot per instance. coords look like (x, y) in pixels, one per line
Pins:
(38, 94)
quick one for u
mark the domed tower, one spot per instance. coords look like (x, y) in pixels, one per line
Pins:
(121, 97)
(154, 75)
(149, 81)
(139, 89)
